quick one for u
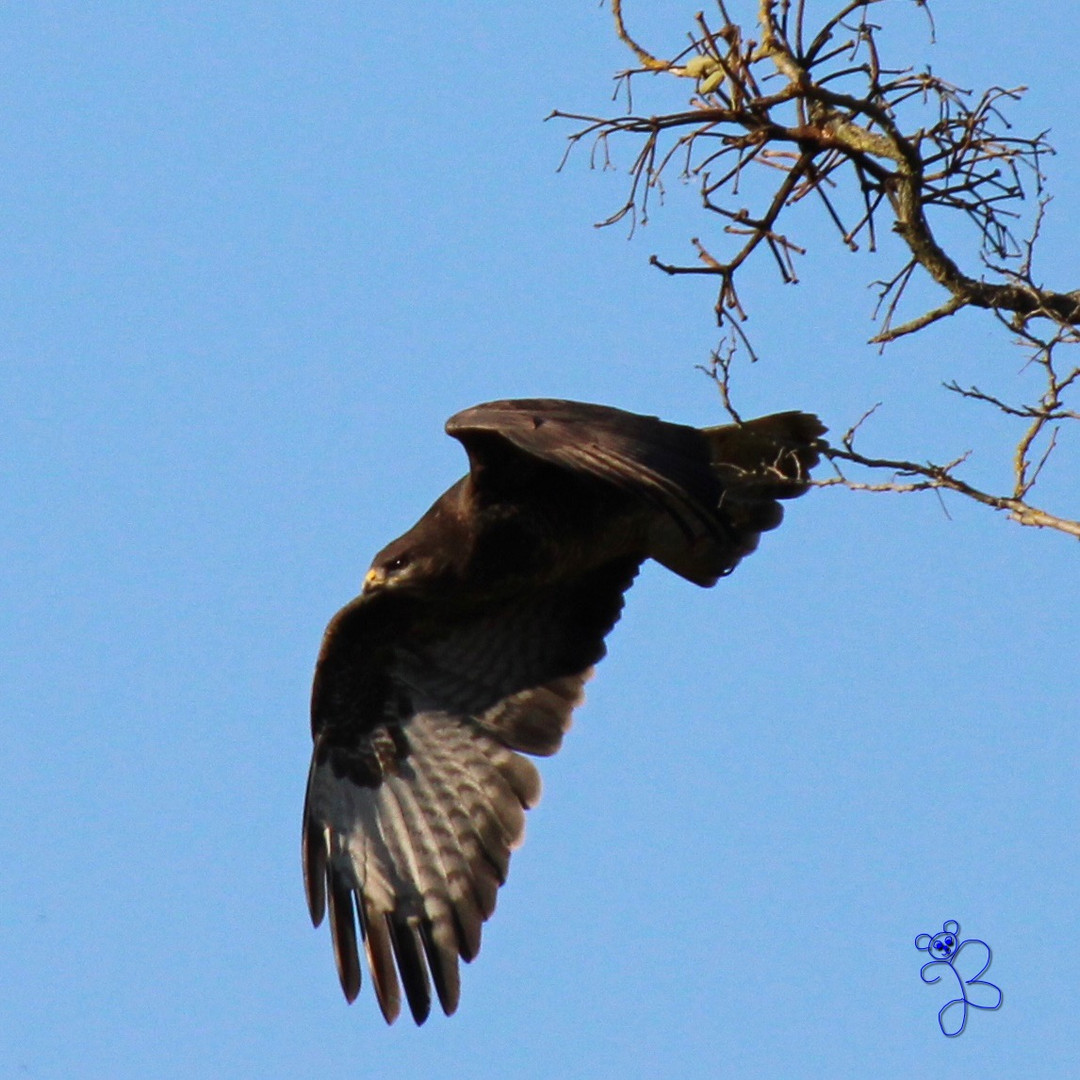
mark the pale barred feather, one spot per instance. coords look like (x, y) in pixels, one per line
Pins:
(473, 891)
(429, 847)
(380, 957)
(374, 854)
(416, 871)
(413, 853)
(465, 756)
(443, 838)
(454, 802)
(358, 845)
(416, 868)
(360, 862)
(451, 915)
(425, 853)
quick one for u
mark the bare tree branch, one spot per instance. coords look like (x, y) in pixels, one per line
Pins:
(874, 145)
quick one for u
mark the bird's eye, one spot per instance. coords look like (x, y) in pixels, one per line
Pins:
(398, 564)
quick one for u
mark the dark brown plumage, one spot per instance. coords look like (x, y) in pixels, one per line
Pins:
(470, 644)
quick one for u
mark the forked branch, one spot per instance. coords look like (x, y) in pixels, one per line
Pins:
(780, 112)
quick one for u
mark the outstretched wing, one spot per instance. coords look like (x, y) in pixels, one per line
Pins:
(418, 786)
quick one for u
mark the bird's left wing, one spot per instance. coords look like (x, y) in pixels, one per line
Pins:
(642, 457)
(703, 496)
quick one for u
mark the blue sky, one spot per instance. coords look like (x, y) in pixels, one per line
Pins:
(253, 255)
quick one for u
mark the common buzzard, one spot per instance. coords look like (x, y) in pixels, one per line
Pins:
(470, 643)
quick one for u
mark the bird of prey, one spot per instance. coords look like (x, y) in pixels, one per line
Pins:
(469, 646)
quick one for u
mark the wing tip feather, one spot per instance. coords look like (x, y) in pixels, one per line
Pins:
(408, 952)
(314, 844)
(379, 951)
(343, 935)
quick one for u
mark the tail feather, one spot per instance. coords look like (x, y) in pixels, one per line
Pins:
(754, 464)
(769, 457)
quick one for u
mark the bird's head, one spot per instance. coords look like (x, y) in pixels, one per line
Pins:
(402, 564)
(389, 570)
(428, 556)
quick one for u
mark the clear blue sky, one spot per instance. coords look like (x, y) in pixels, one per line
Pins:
(253, 255)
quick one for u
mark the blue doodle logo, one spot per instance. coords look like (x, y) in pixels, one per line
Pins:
(945, 948)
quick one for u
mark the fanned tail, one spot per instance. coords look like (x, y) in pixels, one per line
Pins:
(752, 466)
(770, 457)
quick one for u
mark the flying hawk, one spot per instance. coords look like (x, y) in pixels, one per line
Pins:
(469, 646)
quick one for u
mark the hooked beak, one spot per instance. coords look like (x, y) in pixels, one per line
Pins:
(373, 579)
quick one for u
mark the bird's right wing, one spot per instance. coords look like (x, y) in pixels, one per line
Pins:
(409, 862)
(418, 787)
